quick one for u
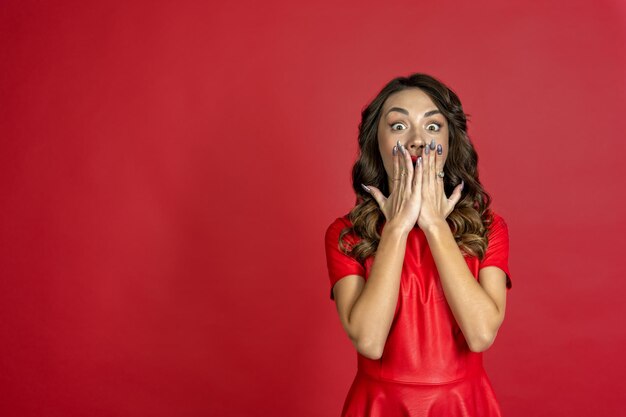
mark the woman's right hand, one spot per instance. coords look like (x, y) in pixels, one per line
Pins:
(403, 205)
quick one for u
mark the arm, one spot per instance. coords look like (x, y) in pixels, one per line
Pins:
(366, 310)
(477, 307)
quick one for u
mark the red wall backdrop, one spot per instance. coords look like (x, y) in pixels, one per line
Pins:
(168, 170)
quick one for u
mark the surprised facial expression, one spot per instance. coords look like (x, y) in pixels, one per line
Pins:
(411, 117)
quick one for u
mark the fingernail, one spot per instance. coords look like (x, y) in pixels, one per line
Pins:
(419, 161)
(366, 188)
(427, 150)
(395, 150)
(462, 184)
(432, 144)
(439, 149)
(402, 149)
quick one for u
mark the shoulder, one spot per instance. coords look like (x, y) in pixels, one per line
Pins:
(334, 229)
(342, 221)
(497, 221)
(338, 224)
(497, 230)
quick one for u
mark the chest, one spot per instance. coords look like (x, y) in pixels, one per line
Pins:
(420, 279)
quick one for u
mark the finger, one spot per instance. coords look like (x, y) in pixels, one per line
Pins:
(441, 195)
(455, 197)
(426, 166)
(418, 175)
(432, 144)
(400, 194)
(431, 166)
(396, 169)
(408, 169)
(439, 161)
(378, 196)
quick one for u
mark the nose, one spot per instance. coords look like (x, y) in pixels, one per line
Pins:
(417, 143)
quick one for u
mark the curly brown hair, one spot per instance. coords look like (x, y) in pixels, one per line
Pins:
(471, 217)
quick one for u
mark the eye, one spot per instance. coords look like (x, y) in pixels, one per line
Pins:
(436, 125)
(393, 126)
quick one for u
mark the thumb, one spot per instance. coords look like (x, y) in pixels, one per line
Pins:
(456, 195)
(375, 192)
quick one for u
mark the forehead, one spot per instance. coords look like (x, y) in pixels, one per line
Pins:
(412, 99)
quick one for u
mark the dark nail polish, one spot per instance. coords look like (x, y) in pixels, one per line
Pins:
(439, 149)
(432, 144)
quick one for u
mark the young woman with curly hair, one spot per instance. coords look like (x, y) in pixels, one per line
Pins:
(419, 267)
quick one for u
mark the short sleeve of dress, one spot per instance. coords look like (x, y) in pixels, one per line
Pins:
(339, 264)
(498, 248)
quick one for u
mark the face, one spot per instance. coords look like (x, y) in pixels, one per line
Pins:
(411, 117)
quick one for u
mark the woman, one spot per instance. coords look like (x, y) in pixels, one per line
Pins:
(419, 278)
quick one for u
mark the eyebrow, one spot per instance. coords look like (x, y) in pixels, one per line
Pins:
(405, 111)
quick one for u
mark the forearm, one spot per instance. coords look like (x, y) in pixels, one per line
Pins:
(474, 311)
(372, 313)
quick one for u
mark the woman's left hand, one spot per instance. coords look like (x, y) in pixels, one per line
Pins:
(435, 205)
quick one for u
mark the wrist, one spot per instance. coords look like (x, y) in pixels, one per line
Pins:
(396, 229)
(436, 227)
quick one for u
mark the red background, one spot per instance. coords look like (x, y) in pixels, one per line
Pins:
(168, 170)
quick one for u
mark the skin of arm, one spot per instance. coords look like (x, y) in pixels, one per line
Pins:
(367, 310)
(477, 307)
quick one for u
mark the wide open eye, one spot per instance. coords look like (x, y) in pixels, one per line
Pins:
(393, 126)
(436, 126)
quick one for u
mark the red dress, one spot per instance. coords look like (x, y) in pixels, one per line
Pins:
(426, 368)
